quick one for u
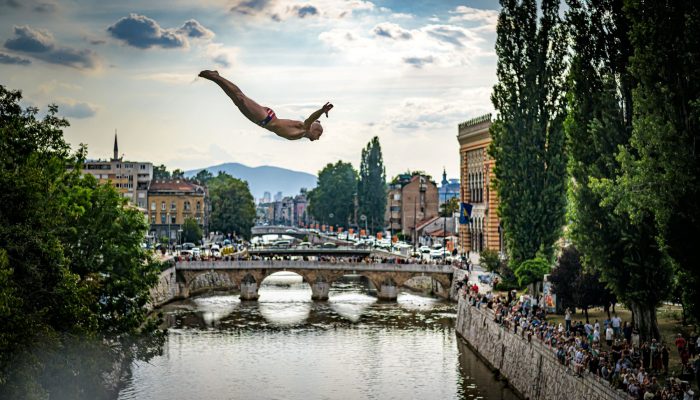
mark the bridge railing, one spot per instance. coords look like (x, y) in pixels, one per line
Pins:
(313, 265)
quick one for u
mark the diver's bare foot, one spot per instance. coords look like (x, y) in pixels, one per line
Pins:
(208, 74)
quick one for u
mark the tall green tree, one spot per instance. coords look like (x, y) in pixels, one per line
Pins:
(232, 205)
(191, 231)
(332, 201)
(528, 135)
(203, 176)
(71, 264)
(576, 287)
(598, 125)
(450, 207)
(160, 172)
(661, 168)
(371, 186)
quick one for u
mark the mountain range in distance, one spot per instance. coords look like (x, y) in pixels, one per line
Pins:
(264, 178)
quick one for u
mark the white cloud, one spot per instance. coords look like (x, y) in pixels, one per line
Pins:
(401, 16)
(76, 109)
(278, 10)
(426, 114)
(221, 55)
(464, 13)
(390, 45)
(176, 78)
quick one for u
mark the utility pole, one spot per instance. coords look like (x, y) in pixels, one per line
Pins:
(415, 232)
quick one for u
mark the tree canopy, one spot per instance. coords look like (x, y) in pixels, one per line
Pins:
(661, 166)
(528, 134)
(191, 231)
(332, 201)
(232, 205)
(574, 286)
(371, 186)
(599, 126)
(71, 263)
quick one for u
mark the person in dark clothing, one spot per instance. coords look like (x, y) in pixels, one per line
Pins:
(664, 357)
(627, 332)
(646, 356)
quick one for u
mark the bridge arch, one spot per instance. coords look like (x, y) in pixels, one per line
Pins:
(249, 275)
(206, 281)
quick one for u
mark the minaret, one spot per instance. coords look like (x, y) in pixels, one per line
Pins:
(444, 177)
(116, 147)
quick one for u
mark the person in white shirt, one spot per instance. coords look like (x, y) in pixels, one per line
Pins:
(616, 322)
(609, 335)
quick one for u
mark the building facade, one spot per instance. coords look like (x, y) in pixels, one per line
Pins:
(411, 200)
(289, 210)
(485, 230)
(131, 178)
(173, 201)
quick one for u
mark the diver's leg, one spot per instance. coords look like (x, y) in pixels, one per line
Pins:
(248, 107)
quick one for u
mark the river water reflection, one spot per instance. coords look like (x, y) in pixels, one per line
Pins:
(285, 346)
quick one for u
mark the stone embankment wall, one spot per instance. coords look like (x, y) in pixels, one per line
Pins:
(457, 276)
(531, 368)
(167, 289)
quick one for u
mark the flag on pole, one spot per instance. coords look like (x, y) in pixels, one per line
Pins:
(465, 213)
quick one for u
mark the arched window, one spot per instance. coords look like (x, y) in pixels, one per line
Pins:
(187, 206)
(162, 205)
(199, 205)
(173, 206)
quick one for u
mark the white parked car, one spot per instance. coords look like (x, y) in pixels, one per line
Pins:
(436, 254)
(197, 252)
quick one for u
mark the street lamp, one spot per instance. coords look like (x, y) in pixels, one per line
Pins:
(363, 217)
(167, 216)
(444, 223)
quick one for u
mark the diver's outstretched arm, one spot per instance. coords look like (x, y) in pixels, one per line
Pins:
(317, 114)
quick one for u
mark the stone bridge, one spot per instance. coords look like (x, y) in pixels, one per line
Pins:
(193, 277)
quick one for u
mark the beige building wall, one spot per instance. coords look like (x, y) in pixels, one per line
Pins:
(476, 174)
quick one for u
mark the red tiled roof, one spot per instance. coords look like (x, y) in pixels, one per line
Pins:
(177, 185)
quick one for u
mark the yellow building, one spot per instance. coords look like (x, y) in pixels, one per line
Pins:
(170, 202)
(476, 166)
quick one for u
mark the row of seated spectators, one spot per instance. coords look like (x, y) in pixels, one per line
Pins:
(621, 364)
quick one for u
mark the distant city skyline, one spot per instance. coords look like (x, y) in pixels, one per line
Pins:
(406, 72)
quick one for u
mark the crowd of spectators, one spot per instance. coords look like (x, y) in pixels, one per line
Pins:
(610, 351)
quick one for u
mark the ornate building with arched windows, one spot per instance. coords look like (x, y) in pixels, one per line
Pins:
(476, 173)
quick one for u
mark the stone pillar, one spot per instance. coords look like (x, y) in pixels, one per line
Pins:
(319, 290)
(249, 290)
(388, 291)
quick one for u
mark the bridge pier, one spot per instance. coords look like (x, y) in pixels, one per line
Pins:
(387, 291)
(249, 288)
(319, 290)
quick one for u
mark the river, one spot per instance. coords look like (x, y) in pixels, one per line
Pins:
(285, 346)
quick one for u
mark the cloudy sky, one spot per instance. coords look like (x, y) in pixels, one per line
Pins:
(405, 71)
